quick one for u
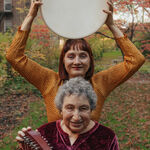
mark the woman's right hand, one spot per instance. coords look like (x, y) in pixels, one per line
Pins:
(21, 134)
(35, 4)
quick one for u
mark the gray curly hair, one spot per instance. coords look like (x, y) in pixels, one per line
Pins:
(76, 86)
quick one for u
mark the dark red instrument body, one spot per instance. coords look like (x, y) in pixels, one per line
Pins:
(34, 141)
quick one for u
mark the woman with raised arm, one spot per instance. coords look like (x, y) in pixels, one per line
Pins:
(76, 59)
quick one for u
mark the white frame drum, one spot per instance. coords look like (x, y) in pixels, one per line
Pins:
(74, 19)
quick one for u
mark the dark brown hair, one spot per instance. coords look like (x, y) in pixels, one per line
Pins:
(79, 44)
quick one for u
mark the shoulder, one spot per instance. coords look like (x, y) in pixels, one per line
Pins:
(47, 128)
(105, 132)
(47, 125)
(103, 138)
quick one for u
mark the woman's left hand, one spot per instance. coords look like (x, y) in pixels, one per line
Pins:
(109, 21)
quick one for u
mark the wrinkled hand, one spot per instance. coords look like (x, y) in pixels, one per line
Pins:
(20, 136)
(35, 4)
(109, 21)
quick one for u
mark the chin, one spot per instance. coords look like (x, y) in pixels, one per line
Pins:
(78, 75)
(76, 131)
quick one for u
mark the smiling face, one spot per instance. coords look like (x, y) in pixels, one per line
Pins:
(76, 62)
(76, 113)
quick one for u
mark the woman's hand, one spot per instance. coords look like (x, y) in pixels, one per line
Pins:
(20, 136)
(35, 4)
(109, 21)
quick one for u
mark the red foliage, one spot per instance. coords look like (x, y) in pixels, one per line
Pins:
(146, 48)
(126, 5)
(145, 41)
(42, 34)
(144, 27)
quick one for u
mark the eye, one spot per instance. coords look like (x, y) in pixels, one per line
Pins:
(84, 108)
(83, 55)
(69, 108)
(71, 56)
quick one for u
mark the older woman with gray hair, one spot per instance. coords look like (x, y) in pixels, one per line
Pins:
(76, 131)
(77, 86)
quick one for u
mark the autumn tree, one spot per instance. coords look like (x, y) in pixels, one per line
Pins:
(132, 13)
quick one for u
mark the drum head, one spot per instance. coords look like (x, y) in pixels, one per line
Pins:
(74, 18)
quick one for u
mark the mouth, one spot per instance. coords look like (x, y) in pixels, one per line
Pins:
(76, 124)
(77, 68)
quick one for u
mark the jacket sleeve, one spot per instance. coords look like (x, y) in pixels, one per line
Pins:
(109, 79)
(33, 72)
(114, 144)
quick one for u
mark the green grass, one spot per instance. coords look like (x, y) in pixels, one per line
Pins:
(18, 85)
(127, 112)
(35, 117)
(106, 61)
(146, 67)
(112, 54)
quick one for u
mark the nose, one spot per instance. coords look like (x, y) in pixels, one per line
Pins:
(77, 60)
(76, 116)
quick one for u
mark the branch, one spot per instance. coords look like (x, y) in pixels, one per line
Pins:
(146, 11)
(104, 35)
(127, 30)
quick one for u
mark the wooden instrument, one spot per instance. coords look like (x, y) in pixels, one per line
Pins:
(34, 141)
(74, 18)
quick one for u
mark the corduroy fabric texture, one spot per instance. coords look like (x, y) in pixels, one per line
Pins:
(48, 81)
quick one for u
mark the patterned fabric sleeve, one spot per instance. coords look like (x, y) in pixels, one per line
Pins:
(33, 72)
(114, 145)
(109, 79)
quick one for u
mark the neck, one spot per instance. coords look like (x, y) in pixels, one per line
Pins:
(73, 136)
(89, 127)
